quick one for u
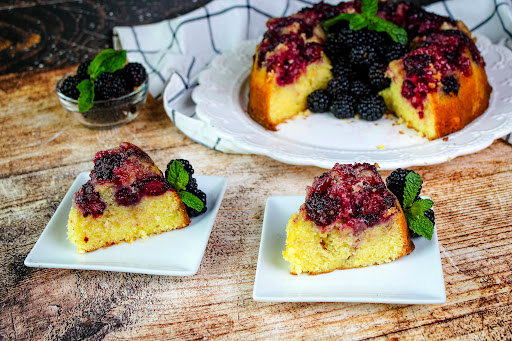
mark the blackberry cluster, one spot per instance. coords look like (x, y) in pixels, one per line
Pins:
(396, 184)
(107, 85)
(191, 186)
(359, 62)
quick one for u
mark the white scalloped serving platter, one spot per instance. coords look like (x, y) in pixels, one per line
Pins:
(322, 140)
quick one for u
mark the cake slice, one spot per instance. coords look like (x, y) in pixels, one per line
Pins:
(126, 198)
(349, 220)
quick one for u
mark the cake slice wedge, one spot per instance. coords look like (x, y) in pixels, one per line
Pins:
(126, 198)
(349, 220)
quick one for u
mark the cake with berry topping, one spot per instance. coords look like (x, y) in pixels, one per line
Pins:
(349, 220)
(126, 198)
(433, 79)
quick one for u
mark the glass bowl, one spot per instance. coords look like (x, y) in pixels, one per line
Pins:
(106, 113)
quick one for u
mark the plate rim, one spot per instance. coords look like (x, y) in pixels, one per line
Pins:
(388, 299)
(439, 150)
(173, 271)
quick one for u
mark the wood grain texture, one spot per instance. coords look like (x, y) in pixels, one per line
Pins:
(43, 150)
(50, 33)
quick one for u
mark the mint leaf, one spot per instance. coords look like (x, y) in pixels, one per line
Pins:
(358, 22)
(398, 34)
(177, 176)
(412, 184)
(420, 206)
(420, 224)
(86, 98)
(369, 8)
(191, 200)
(339, 18)
(108, 60)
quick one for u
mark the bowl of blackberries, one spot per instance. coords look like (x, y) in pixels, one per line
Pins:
(104, 92)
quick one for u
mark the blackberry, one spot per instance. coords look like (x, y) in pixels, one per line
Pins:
(192, 185)
(344, 106)
(319, 101)
(396, 184)
(394, 51)
(450, 85)
(322, 209)
(377, 76)
(338, 86)
(68, 87)
(333, 47)
(134, 74)
(343, 69)
(363, 55)
(193, 212)
(81, 72)
(371, 108)
(109, 85)
(417, 65)
(186, 164)
(360, 89)
(104, 166)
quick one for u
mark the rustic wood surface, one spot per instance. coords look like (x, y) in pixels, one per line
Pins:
(42, 151)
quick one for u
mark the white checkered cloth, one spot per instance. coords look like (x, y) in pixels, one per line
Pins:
(175, 51)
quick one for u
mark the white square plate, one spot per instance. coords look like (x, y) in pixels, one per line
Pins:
(174, 253)
(414, 279)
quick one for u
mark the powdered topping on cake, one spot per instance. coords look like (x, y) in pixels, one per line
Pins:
(349, 196)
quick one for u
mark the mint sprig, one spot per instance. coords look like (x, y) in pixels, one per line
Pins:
(178, 178)
(368, 18)
(108, 60)
(414, 210)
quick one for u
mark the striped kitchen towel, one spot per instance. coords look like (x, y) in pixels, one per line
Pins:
(174, 51)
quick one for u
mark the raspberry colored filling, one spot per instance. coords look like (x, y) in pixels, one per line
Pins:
(132, 182)
(353, 195)
(440, 56)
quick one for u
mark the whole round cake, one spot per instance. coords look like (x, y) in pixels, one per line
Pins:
(434, 81)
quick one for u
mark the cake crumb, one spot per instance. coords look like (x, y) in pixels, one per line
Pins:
(381, 146)
(400, 132)
(256, 217)
(445, 138)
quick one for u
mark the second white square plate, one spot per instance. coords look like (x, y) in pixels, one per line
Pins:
(175, 253)
(414, 279)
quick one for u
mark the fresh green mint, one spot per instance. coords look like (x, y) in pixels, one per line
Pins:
(368, 18)
(108, 60)
(178, 178)
(414, 210)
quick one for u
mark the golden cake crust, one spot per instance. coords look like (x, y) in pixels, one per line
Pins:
(260, 92)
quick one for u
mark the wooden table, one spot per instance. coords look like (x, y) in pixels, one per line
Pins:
(43, 150)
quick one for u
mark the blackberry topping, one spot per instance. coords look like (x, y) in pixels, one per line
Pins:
(344, 106)
(418, 64)
(319, 101)
(68, 87)
(90, 201)
(394, 51)
(396, 184)
(109, 85)
(360, 89)
(338, 86)
(126, 197)
(363, 55)
(104, 166)
(371, 108)
(202, 196)
(377, 76)
(450, 85)
(343, 69)
(333, 47)
(322, 209)
(134, 74)
(81, 72)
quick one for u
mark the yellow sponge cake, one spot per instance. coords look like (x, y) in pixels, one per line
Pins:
(349, 220)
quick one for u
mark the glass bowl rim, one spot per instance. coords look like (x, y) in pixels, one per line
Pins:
(139, 89)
